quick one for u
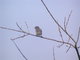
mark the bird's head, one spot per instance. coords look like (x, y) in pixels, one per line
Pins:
(36, 27)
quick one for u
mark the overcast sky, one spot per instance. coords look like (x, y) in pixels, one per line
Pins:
(35, 14)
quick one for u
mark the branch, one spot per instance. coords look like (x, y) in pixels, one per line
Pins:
(57, 22)
(27, 27)
(77, 51)
(78, 35)
(37, 36)
(60, 33)
(14, 30)
(19, 37)
(65, 23)
(53, 54)
(68, 48)
(19, 50)
(68, 18)
(19, 26)
(60, 36)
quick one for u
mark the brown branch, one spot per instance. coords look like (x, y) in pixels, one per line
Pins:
(37, 36)
(57, 22)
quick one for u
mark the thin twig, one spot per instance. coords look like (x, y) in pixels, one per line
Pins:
(53, 54)
(65, 23)
(19, 50)
(60, 33)
(14, 30)
(60, 36)
(68, 18)
(27, 27)
(60, 45)
(69, 38)
(78, 35)
(68, 48)
(19, 37)
(19, 26)
(57, 22)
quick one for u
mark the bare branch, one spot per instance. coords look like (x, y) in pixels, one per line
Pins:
(38, 36)
(19, 50)
(78, 35)
(19, 37)
(19, 26)
(69, 38)
(57, 22)
(10, 29)
(60, 45)
(76, 48)
(65, 23)
(53, 54)
(27, 27)
(13, 30)
(60, 36)
(60, 33)
(57, 41)
(68, 18)
(68, 48)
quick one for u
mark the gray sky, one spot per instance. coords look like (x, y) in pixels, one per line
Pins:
(35, 14)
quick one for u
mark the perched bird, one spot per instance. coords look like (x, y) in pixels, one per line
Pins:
(38, 31)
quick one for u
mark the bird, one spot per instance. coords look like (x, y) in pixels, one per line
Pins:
(38, 31)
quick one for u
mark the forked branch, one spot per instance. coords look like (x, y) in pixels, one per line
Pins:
(57, 22)
(51, 39)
